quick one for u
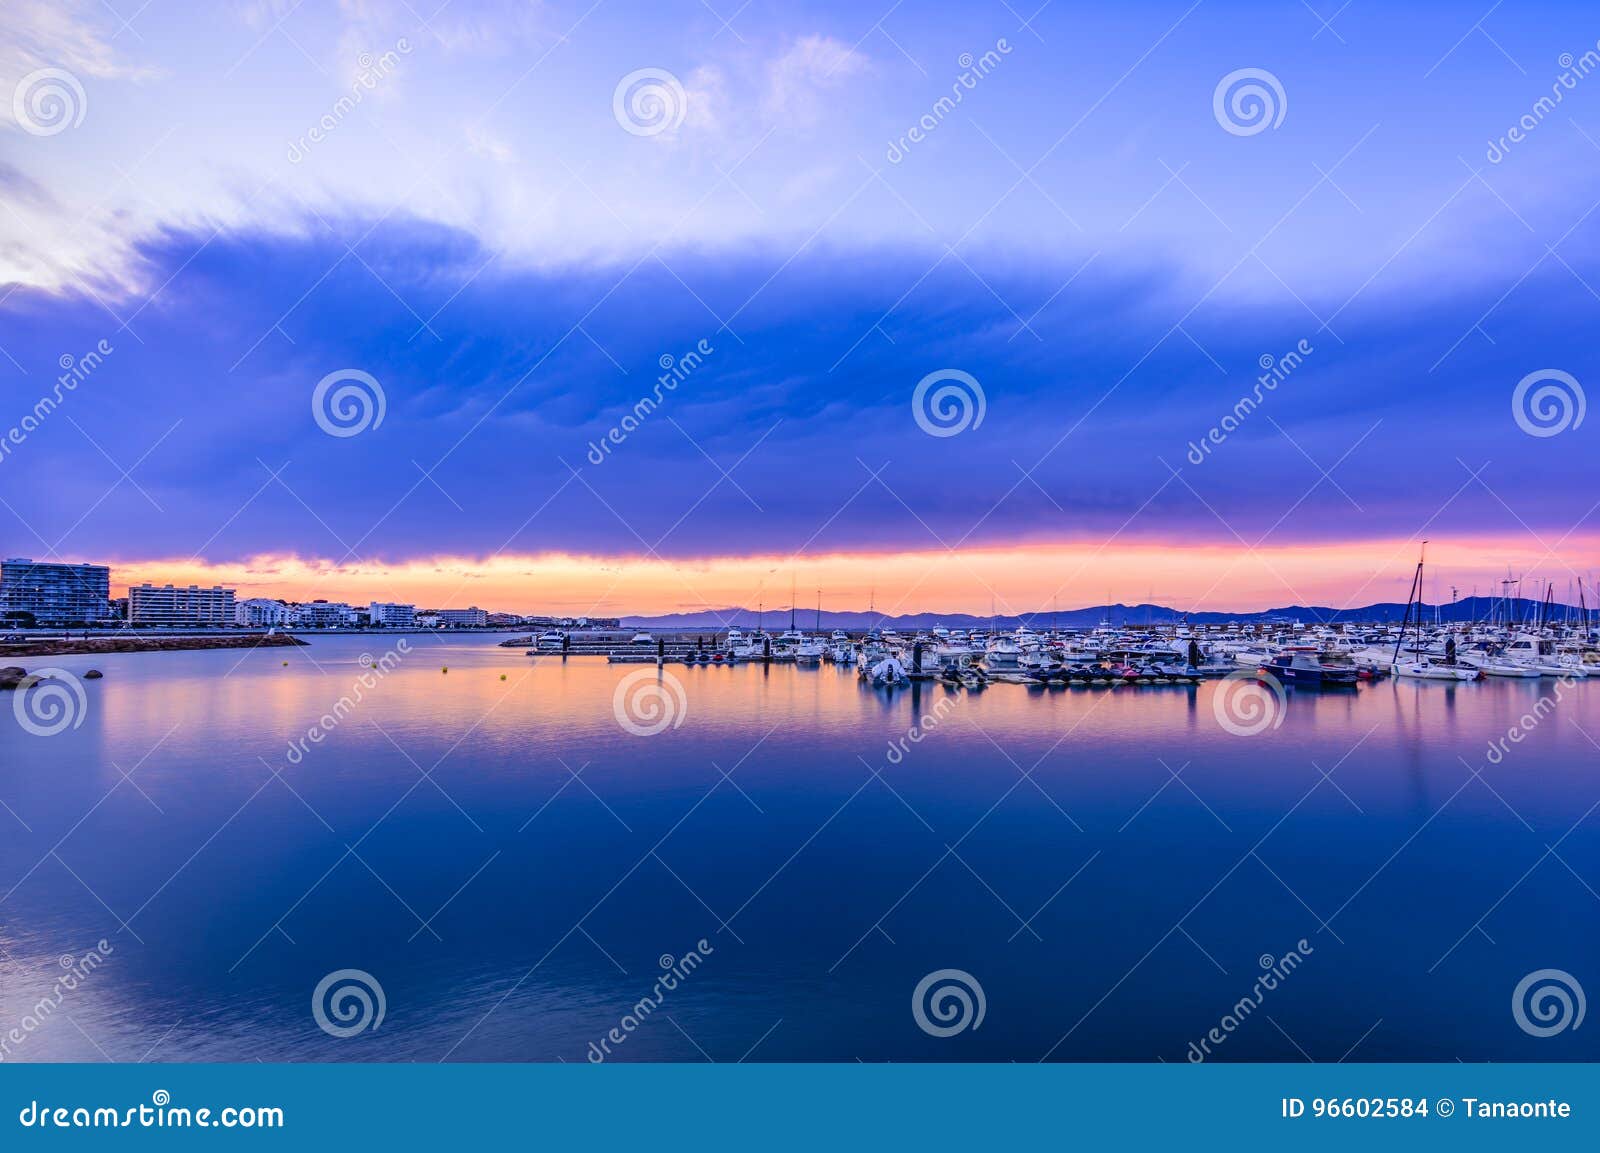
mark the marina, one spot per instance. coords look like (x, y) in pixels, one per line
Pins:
(1340, 655)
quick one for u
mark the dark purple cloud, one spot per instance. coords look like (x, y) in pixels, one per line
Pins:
(498, 379)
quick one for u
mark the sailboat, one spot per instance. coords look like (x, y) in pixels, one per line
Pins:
(809, 650)
(1418, 667)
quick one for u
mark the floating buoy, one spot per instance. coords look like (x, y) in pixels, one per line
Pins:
(285, 664)
(445, 669)
(502, 676)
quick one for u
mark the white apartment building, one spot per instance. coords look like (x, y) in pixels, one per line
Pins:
(193, 606)
(321, 614)
(392, 616)
(260, 612)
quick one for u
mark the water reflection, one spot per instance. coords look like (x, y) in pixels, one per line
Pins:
(511, 863)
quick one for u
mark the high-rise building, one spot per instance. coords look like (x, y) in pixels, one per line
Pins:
(392, 616)
(165, 605)
(463, 618)
(54, 594)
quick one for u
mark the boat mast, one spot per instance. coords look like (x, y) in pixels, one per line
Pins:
(1412, 598)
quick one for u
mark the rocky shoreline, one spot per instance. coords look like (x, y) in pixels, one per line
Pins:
(93, 646)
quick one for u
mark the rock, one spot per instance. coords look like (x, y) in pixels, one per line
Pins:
(28, 681)
(93, 675)
(13, 671)
(9, 683)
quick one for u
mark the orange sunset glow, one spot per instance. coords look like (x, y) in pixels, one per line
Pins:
(1032, 578)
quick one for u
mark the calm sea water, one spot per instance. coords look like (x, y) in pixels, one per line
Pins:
(513, 867)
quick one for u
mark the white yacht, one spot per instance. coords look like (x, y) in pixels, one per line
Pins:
(1418, 670)
(1003, 652)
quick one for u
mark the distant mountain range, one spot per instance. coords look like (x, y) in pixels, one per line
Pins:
(1467, 609)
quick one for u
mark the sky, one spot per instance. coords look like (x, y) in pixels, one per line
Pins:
(620, 307)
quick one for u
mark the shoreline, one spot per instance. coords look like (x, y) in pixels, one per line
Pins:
(94, 646)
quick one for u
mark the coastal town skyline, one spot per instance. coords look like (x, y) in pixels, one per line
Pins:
(515, 589)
